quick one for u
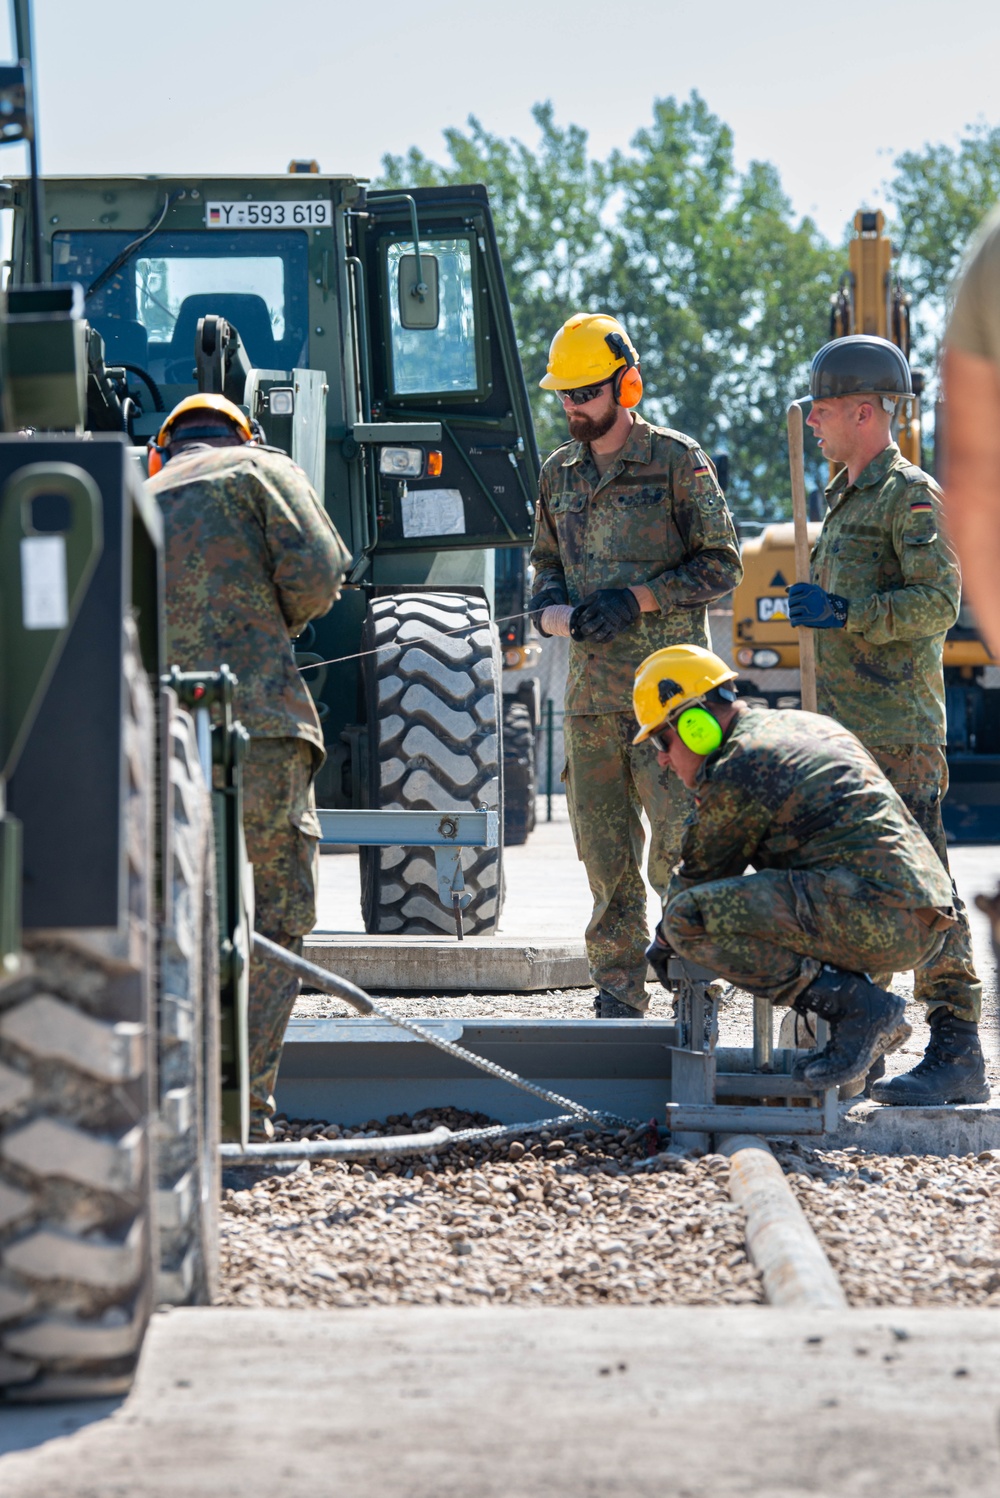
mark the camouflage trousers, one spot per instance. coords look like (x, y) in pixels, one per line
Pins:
(281, 829)
(771, 932)
(919, 775)
(608, 780)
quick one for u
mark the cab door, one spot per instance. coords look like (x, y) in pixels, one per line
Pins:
(449, 356)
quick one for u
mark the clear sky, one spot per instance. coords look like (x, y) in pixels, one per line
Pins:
(830, 94)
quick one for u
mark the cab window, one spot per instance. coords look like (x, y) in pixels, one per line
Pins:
(148, 312)
(443, 360)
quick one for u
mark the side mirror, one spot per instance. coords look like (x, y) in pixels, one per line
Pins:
(419, 304)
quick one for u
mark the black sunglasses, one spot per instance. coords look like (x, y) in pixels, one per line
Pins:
(657, 741)
(582, 394)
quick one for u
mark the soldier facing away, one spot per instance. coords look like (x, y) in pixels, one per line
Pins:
(251, 557)
(885, 590)
(632, 540)
(844, 881)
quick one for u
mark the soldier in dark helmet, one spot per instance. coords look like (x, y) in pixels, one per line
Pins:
(884, 591)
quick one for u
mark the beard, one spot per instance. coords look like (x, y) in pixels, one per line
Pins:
(590, 428)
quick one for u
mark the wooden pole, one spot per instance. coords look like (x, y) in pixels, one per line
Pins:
(796, 463)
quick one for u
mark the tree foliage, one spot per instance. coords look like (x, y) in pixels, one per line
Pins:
(938, 197)
(723, 289)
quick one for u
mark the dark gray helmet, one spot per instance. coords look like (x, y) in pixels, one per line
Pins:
(859, 365)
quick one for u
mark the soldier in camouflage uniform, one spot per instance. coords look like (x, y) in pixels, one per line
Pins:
(885, 590)
(844, 881)
(252, 556)
(632, 540)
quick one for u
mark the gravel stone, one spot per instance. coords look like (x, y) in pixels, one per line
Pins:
(576, 1225)
(903, 1230)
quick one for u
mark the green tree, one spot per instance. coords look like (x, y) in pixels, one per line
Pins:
(724, 293)
(938, 196)
(547, 207)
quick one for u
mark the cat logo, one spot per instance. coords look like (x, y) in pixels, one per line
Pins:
(772, 610)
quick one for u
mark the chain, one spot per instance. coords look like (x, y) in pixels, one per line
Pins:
(358, 999)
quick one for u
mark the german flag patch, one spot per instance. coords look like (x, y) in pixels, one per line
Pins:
(921, 504)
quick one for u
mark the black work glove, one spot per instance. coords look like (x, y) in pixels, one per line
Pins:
(604, 615)
(554, 594)
(658, 955)
(811, 606)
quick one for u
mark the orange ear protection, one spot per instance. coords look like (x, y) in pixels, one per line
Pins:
(628, 381)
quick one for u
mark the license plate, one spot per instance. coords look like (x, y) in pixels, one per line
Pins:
(290, 213)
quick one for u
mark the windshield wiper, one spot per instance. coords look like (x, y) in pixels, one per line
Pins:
(122, 256)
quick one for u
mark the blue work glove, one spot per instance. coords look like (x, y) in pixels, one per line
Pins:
(604, 614)
(811, 606)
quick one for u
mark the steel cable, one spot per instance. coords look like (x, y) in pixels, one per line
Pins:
(358, 999)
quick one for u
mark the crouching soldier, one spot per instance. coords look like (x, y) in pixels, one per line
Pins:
(844, 882)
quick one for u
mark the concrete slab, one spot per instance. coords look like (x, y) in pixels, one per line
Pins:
(434, 964)
(616, 1402)
(964, 1129)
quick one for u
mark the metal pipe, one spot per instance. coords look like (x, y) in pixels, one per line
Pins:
(203, 732)
(763, 1035)
(548, 759)
(795, 1270)
(420, 289)
(336, 1149)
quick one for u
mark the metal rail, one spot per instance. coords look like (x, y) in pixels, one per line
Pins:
(446, 834)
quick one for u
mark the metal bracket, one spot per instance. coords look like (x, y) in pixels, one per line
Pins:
(446, 834)
(694, 1114)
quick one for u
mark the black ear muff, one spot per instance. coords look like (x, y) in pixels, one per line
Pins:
(628, 381)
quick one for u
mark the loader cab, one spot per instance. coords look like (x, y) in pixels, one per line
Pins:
(375, 344)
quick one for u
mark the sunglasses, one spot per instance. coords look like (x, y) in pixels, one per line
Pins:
(582, 394)
(661, 745)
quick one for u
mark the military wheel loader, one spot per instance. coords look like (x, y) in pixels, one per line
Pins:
(871, 299)
(370, 336)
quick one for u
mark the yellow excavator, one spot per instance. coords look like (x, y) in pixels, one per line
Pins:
(871, 299)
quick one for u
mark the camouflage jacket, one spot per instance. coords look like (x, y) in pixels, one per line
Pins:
(657, 517)
(252, 556)
(793, 790)
(883, 548)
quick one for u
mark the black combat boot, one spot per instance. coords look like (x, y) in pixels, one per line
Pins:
(865, 1021)
(606, 1006)
(952, 1069)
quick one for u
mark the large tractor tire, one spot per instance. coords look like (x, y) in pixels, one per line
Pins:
(77, 1251)
(518, 774)
(432, 696)
(188, 1161)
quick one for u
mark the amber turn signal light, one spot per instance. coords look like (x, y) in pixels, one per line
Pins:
(435, 463)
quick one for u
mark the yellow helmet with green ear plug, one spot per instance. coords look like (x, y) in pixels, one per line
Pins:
(669, 689)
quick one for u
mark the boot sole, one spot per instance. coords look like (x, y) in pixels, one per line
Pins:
(884, 1042)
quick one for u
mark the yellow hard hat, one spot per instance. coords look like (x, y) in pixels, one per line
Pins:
(217, 403)
(581, 355)
(671, 679)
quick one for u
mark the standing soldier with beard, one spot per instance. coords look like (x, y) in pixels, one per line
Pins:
(633, 540)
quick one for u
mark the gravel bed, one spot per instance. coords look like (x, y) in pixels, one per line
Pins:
(913, 1230)
(574, 1218)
